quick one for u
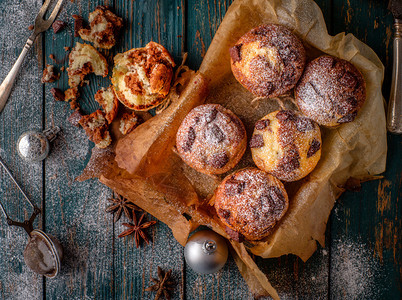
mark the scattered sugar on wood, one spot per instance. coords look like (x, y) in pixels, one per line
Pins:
(354, 270)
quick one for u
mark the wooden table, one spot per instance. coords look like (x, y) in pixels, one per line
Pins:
(362, 258)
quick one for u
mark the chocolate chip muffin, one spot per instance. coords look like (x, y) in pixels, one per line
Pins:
(268, 60)
(211, 139)
(251, 202)
(331, 91)
(286, 145)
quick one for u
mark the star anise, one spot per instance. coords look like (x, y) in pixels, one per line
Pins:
(120, 204)
(162, 285)
(137, 227)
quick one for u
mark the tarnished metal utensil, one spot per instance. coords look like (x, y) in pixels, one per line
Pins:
(394, 116)
(40, 25)
(43, 253)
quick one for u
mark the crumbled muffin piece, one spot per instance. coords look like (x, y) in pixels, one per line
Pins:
(71, 94)
(58, 94)
(30, 27)
(78, 24)
(74, 105)
(109, 102)
(96, 128)
(52, 57)
(58, 26)
(49, 74)
(129, 122)
(104, 28)
(85, 59)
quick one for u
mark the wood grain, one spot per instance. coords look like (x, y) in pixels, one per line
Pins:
(370, 220)
(75, 211)
(22, 112)
(159, 21)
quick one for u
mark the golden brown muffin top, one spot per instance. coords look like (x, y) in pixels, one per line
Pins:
(268, 60)
(286, 144)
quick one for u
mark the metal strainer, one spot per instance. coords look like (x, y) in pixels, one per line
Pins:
(43, 253)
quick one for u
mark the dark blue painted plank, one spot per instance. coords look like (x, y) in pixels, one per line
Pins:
(74, 210)
(365, 227)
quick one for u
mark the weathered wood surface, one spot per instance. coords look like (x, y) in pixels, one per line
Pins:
(362, 258)
(24, 111)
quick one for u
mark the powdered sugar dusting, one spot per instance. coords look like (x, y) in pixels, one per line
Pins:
(331, 91)
(354, 271)
(251, 202)
(23, 283)
(211, 139)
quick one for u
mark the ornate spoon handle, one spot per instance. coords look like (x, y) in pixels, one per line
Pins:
(394, 118)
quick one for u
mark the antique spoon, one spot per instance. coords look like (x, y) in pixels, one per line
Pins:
(43, 253)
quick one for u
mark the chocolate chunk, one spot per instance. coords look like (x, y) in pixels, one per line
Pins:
(234, 187)
(75, 118)
(290, 74)
(257, 141)
(288, 54)
(349, 80)
(261, 30)
(346, 105)
(262, 124)
(58, 95)
(224, 213)
(276, 194)
(304, 124)
(267, 87)
(234, 235)
(58, 26)
(78, 24)
(347, 118)
(291, 161)
(211, 115)
(190, 140)
(285, 115)
(316, 90)
(218, 160)
(215, 134)
(314, 147)
(235, 52)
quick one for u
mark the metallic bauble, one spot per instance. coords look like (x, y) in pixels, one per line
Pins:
(33, 146)
(206, 252)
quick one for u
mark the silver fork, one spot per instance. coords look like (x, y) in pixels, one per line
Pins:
(40, 25)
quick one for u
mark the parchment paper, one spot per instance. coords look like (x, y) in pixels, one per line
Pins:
(144, 167)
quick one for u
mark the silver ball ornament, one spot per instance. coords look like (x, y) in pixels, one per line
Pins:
(206, 252)
(34, 146)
